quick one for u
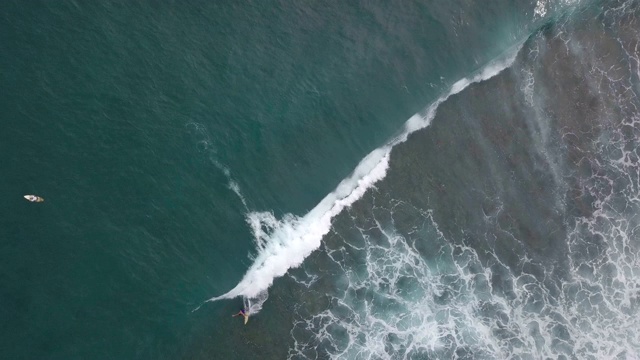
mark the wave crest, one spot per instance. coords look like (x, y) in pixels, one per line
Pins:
(284, 244)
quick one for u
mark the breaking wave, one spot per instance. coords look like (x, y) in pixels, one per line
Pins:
(284, 243)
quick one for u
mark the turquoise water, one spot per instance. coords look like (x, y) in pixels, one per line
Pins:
(181, 146)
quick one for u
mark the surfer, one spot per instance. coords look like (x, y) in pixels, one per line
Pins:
(34, 198)
(244, 313)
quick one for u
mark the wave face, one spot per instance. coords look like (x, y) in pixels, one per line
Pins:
(509, 227)
(284, 243)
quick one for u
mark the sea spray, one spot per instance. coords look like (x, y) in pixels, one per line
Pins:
(284, 244)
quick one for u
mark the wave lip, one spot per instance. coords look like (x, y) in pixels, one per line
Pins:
(284, 244)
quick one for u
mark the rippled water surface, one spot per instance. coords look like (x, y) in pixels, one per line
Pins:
(377, 180)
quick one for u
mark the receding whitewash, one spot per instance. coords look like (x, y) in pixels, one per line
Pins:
(284, 244)
(540, 9)
(544, 6)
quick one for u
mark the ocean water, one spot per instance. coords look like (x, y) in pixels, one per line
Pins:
(373, 180)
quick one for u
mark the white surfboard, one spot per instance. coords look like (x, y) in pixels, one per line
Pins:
(34, 198)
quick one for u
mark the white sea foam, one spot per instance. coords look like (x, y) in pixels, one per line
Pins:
(544, 7)
(401, 317)
(446, 302)
(284, 243)
(540, 9)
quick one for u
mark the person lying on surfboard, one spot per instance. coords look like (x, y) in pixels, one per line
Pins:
(244, 313)
(33, 198)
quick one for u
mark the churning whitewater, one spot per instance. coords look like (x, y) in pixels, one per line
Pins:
(284, 243)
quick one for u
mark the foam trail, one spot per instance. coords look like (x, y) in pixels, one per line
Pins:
(231, 183)
(286, 243)
(204, 145)
(236, 189)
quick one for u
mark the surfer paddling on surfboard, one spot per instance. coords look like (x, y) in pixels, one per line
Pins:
(33, 198)
(244, 313)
